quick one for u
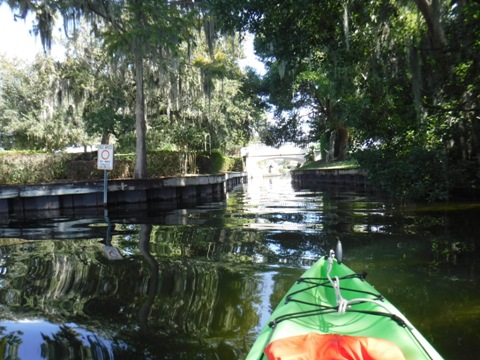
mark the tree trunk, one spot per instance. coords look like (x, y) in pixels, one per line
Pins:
(431, 13)
(140, 126)
(342, 142)
(105, 138)
(144, 247)
(416, 81)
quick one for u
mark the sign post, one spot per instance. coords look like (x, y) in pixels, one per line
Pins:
(105, 162)
(112, 252)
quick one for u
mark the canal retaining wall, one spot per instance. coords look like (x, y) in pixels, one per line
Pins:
(351, 178)
(165, 193)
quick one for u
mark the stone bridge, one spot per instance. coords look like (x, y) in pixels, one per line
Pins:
(261, 160)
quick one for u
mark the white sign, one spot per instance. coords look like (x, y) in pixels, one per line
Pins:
(105, 157)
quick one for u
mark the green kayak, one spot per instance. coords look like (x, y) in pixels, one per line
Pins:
(333, 313)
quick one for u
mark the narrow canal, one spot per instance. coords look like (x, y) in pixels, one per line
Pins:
(142, 283)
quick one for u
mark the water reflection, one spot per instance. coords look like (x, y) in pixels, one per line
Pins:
(200, 283)
(130, 304)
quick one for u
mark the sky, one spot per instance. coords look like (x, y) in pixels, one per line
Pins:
(16, 41)
(15, 38)
(250, 58)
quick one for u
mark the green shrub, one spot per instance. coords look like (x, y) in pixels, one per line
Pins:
(413, 173)
(34, 168)
(164, 163)
(237, 164)
(31, 168)
(215, 162)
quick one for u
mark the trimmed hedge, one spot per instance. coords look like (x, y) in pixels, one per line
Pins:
(34, 168)
(31, 168)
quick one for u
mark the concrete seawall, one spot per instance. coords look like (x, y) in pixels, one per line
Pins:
(164, 193)
(354, 178)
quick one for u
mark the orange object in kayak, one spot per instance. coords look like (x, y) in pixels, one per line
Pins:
(313, 346)
(329, 301)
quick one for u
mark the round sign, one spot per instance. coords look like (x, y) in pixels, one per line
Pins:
(105, 155)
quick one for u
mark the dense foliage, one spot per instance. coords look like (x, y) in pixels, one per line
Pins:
(148, 75)
(394, 81)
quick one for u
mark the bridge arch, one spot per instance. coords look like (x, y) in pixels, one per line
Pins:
(257, 153)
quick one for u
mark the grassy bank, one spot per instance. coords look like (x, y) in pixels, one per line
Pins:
(322, 165)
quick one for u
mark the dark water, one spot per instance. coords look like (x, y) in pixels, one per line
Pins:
(200, 283)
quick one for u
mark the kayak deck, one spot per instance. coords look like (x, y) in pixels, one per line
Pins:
(313, 305)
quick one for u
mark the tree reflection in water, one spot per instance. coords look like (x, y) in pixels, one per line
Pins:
(200, 283)
(145, 306)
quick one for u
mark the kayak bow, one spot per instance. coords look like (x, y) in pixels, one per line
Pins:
(333, 313)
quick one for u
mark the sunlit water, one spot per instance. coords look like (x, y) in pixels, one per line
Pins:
(200, 283)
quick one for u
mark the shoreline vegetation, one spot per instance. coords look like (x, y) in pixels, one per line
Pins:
(334, 165)
(384, 186)
(27, 168)
(31, 168)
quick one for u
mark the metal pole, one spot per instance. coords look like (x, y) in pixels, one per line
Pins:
(105, 187)
(108, 236)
